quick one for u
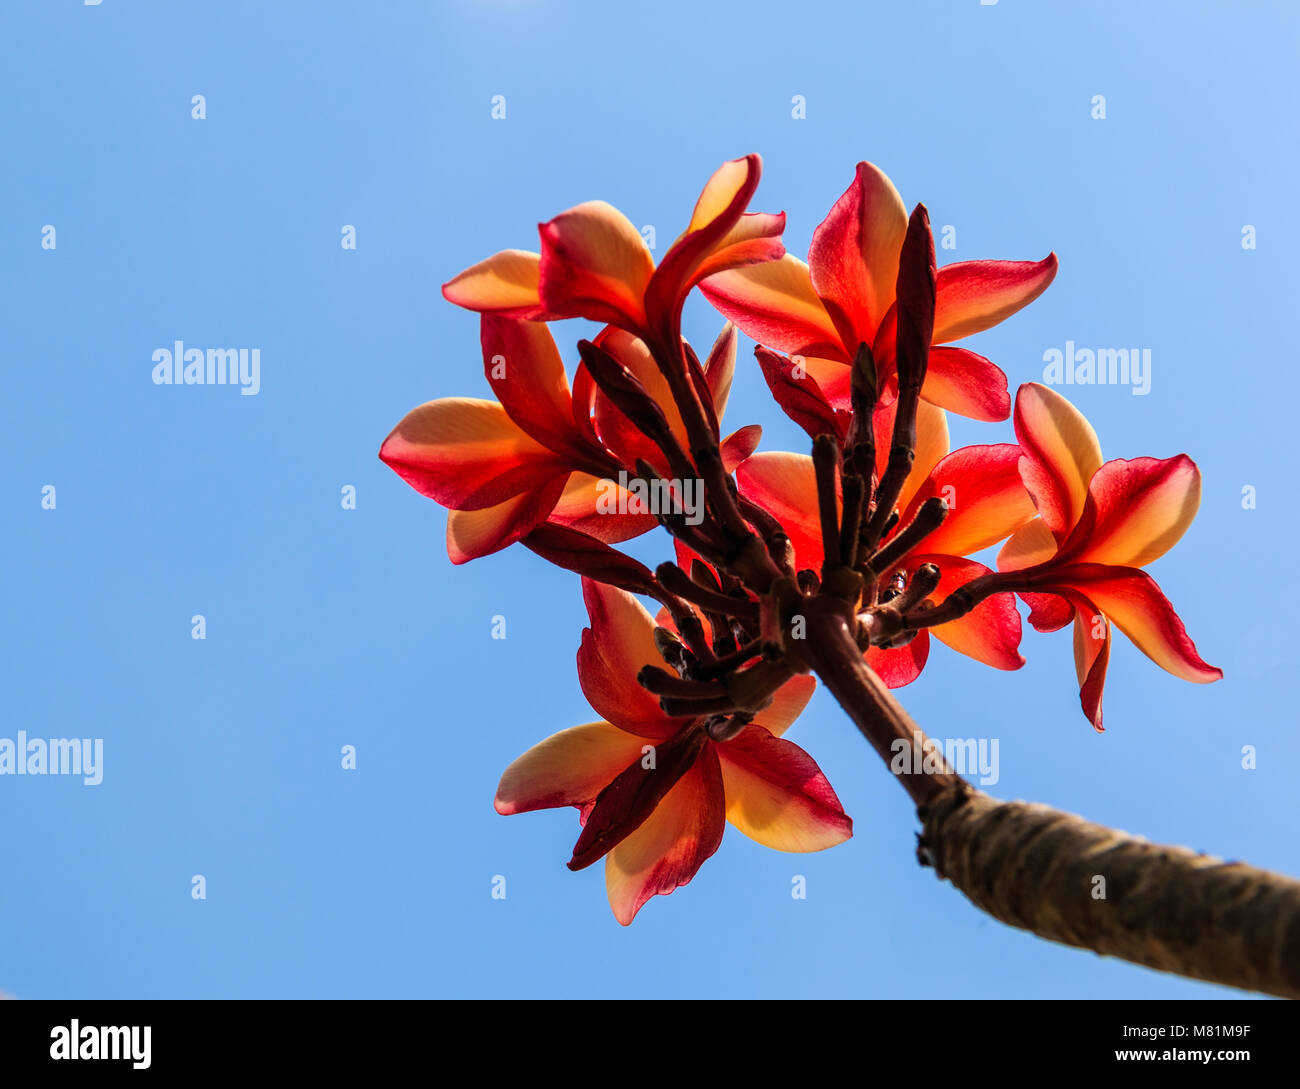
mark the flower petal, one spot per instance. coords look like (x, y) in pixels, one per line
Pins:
(568, 768)
(668, 849)
(853, 259)
(467, 453)
(595, 265)
(931, 444)
(475, 533)
(602, 508)
(1136, 511)
(623, 438)
(1134, 603)
(719, 236)
(785, 486)
(1030, 545)
(619, 642)
(774, 304)
(739, 445)
(1048, 612)
(720, 368)
(1091, 657)
(505, 284)
(987, 500)
(971, 296)
(633, 795)
(587, 555)
(787, 704)
(897, 666)
(525, 371)
(1061, 455)
(800, 396)
(967, 384)
(989, 633)
(777, 795)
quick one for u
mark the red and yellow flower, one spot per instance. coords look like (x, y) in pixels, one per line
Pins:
(654, 793)
(594, 263)
(1098, 524)
(543, 452)
(844, 297)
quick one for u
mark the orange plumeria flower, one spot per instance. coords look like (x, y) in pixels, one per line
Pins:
(654, 792)
(987, 501)
(1099, 523)
(542, 453)
(844, 297)
(594, 263)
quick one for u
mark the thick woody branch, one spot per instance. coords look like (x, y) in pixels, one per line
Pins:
(1089, 886)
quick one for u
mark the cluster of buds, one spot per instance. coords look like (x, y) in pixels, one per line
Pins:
(871, 536)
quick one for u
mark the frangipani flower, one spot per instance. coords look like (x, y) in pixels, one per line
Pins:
(844, 297)
(987, 503)
(654, 792)
(1099, 523)
(594, 263)
(504, 467)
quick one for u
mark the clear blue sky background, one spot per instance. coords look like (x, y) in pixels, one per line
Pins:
(328, 627)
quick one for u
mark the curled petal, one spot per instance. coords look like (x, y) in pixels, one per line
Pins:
(800, 396)
(568, 768)
(774, 304)
(740, 445)
(1048, 612)
(632, 796)
(777, 795)
(619, 642)
(719, 237)
(853, 259)
(587, 555)
(467, 454)
(1134, 603)
(971, 296)
(595, 265)
(1136, 511)
(475, 533)
(1061, 455)
(670, 846)
(986, 499)
(897, 666)
(989, 633)
(967, 384)
(505, 284)
(720, 368)
(1091, 657)
(755, 239)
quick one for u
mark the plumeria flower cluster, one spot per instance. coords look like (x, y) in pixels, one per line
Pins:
(866, 543)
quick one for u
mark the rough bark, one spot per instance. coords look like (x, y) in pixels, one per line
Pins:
(1168, 908)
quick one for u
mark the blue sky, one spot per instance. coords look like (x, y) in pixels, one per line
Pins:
(328, 627)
